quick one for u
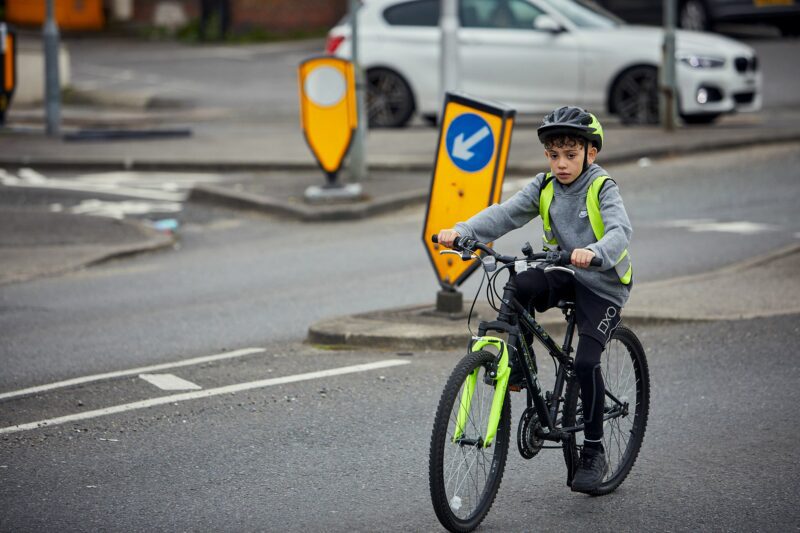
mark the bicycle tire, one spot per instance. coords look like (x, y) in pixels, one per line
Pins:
(462, 506)
(626, 375)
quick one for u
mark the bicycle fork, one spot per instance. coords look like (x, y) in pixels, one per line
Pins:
(500, 376)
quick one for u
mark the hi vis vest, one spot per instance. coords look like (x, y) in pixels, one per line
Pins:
(623, 267)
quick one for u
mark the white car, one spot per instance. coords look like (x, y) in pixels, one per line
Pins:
(536, 55)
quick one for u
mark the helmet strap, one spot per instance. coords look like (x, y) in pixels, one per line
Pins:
(585, 155)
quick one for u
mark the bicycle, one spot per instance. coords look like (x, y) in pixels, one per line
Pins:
(471, 430)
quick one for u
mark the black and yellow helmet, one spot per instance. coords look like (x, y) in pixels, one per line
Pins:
(569, 120)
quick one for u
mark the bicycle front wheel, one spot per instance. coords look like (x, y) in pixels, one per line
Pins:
(627, 381)
(465, 473)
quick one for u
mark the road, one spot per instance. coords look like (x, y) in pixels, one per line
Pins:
(242, 280)
(277, 443)
(349, 451)
(266, 75)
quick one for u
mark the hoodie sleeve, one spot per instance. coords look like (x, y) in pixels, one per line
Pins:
(498, 219)
(618, 227)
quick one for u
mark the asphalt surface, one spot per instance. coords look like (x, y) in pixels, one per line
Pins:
(350, 454)
(274, 168)
(344, 454)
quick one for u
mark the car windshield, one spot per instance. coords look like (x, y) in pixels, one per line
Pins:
(585, 14)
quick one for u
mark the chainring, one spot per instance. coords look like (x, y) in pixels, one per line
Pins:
(527, 441)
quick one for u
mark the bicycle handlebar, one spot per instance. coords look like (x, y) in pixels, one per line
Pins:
(562, 257)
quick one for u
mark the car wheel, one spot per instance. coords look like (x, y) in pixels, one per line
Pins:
(694, 16)
(389, 99)
(704, 118)
(634, 96)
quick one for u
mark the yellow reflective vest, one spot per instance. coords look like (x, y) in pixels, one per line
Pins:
(623, 267)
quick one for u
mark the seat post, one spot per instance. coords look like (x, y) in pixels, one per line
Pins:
(568, 308)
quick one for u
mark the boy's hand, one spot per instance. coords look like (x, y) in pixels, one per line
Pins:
(581, 257)
(447, 236)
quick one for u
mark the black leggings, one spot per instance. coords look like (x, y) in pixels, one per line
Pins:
(542, 291)
(593, 389)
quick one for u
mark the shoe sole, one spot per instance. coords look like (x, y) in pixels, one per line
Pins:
(589, 490)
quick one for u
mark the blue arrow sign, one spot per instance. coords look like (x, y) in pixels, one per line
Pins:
(470, 143)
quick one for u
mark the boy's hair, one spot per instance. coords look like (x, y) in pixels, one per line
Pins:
(564, 141)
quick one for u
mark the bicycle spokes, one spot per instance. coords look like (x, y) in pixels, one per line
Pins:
(466, 402)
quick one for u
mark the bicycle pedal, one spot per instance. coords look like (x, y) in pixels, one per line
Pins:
(516, 388)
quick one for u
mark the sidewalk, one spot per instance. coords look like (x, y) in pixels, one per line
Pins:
(717, 295)
(36, 242)
(268, 167)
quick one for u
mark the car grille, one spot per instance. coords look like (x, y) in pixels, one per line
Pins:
(744, 98)
(743, 64)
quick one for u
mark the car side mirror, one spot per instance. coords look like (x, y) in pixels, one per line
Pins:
(547, 23)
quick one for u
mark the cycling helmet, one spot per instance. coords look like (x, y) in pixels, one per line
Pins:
(569, 120)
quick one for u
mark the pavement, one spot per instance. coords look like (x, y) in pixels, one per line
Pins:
(267, 166)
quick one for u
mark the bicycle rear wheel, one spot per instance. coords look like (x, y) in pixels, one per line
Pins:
(464, 474)
(627, 381)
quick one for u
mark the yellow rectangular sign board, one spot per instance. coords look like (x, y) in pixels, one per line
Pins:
(474, 140)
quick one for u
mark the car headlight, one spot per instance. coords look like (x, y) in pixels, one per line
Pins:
(696, 61)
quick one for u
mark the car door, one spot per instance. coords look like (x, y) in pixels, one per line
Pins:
(504, 58)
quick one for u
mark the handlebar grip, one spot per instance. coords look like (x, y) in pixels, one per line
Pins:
(435, 240)
(567, 256)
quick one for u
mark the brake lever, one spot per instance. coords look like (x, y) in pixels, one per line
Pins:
(465, 256)
(560, 268)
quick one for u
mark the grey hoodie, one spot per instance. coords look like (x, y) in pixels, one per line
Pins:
(570, 223)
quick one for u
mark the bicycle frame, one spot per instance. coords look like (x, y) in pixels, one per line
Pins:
(511, 312)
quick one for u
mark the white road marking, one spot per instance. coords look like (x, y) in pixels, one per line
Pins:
(152, 179)
(158, 186)
(31, 176)
(132, 372)
(104, 188)
(120, 210)
(741, 227)
(203, 394)
(169, 382)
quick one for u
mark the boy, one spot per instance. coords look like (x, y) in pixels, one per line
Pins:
(581, 212)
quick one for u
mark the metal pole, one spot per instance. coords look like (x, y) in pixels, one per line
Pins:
(52, 85)
(358, 165)
(449, 300)
(448, 59)
(669, 93)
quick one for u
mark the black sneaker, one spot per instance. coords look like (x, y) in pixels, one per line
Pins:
(592, 467)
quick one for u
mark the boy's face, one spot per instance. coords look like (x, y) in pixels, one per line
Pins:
(566, 161)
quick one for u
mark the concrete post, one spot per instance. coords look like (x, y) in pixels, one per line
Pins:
(52, 85)
(669, 92)
(358, 165)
